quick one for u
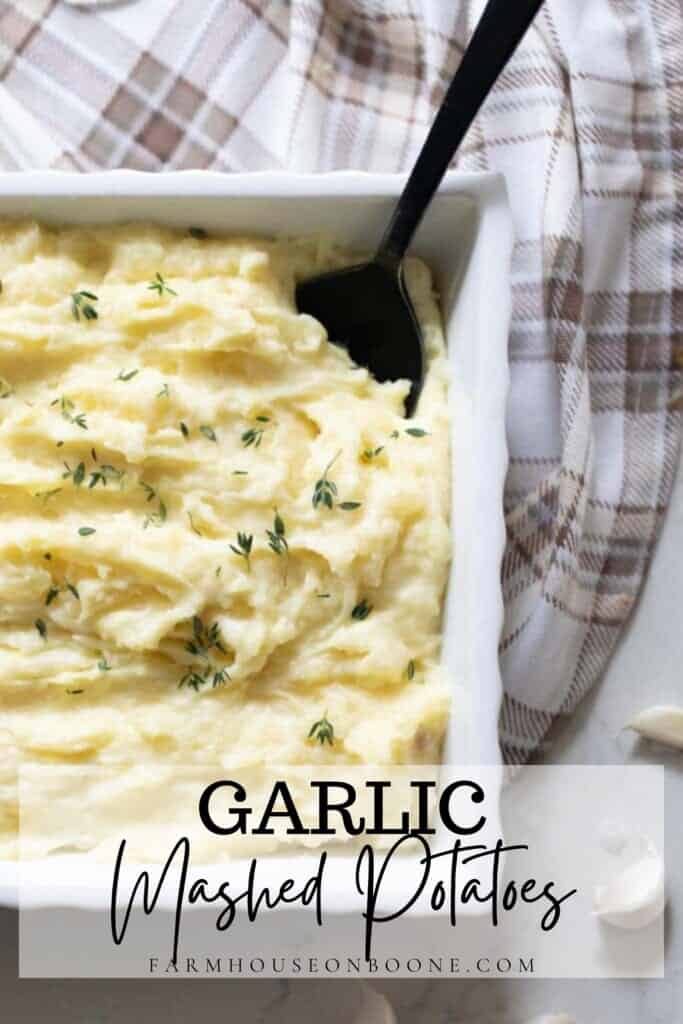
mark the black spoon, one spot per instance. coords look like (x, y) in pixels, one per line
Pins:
(366, 308)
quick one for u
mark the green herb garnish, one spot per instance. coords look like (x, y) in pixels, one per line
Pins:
(81, 305)
(196, 233)
(361, 610)
(243, 547)
(42, 628)
(105, 473)
(46, 495)
(67, 410)
(85, 531)
(325, 491)
(159, 285)
(203, 641)
(277, 542)
(410, 670)
(5, 388)
(208, 432)
(371, 453)
(127, 375)
(417, 432)
(254, 435)
(103, 665)
(164, 393)
(77, 475)
(322, 731)
(184, 430)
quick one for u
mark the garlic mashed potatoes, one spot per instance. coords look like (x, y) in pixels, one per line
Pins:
(220, 540)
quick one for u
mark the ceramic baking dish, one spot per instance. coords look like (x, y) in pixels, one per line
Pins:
(466, 239)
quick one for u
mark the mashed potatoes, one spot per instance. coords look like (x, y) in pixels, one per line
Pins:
(220, 540)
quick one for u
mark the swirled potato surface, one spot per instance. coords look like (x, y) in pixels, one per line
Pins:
(220, 540)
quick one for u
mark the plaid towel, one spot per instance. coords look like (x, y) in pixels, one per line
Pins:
(587, 125)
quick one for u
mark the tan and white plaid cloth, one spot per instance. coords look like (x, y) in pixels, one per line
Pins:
(587, 125)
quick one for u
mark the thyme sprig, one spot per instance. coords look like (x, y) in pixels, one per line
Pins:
(204, 640)
(82, 305)
(159, 285)
(277, 542)
(67, 408)
(254, 435)
(54, 592)
(126, 375)
(243, 547)
(159, 517)
(325, 491)
(368, 454)
(322, 731)
(77, 475)
(105, 473)
(5, 388)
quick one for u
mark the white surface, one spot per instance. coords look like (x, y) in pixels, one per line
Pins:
(466, 238)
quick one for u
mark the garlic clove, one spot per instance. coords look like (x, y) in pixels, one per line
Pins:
(635, 897)
(663, 723)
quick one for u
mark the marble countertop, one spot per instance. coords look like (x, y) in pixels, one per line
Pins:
(646, 669)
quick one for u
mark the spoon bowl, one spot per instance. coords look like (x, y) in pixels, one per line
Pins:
(367, 310)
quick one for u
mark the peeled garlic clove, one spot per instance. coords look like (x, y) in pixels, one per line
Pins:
(635, 897)
(663, 723)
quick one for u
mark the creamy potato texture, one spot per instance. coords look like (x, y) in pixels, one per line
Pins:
(169, 588)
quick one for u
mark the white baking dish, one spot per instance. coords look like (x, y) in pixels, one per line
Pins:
(466, 238)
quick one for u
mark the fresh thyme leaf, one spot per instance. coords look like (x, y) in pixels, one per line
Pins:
(77, 475)
(194, 528)
(127, 375)
(85, 531)
(196, 233)
(323, 595)
(277, 542)
(371, 453)
(410, 670)
(5, 388)
(361, 610)
(165, 392)
(52, 593)
(322, 731)
(159, 285)
(325, 491)
(67, 408)
(394, 434)
(208, 431)
(72, 590)
(243, 547)
(81, 305)
(46, 495)
(240, 472)
(417, 432)
(184, 429)
(74, 692)
(219, 570)
(103, 665)
(41, 627)
(203, 641)
(149, 490)
(159, 517)
(349, 506)
(94, 454)
(254, 435)
(104, 473)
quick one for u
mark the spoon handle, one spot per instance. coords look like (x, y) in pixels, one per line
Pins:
(496, 37)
